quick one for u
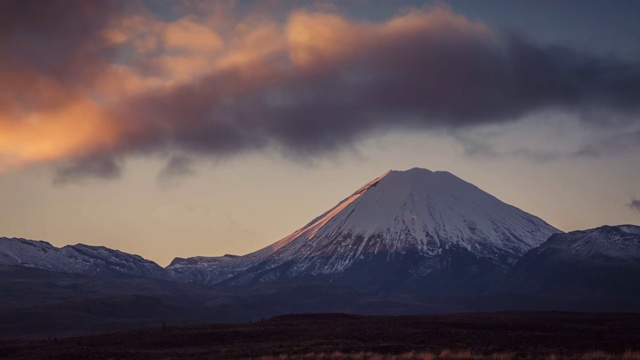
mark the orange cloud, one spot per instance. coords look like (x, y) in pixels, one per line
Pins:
(68, 132)
(315, 39)
(252, 44)
(217, 82)
(189, 36)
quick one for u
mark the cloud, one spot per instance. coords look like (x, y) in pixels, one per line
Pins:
(476, 148)
(315, 84)
(346, 80)
(78, 129)
(58, 38)
(634, 205)
(61, 42)
(177, 167)
(613, 144)
(52, 53)
(597, 143)
(98, 167)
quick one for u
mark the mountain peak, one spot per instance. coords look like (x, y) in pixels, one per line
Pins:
(402, 186)
(417, 173)
(407, 179)
(414, 170)
(611, 240)
(417, 213)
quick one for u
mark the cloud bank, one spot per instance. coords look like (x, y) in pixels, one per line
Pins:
(122, 80)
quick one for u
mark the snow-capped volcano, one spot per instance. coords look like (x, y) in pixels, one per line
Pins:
(416, 209)
(411, 223)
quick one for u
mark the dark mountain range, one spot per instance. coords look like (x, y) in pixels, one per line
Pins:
(407, 242)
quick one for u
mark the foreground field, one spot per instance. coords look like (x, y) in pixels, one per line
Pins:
(548, 335)
(449, 355)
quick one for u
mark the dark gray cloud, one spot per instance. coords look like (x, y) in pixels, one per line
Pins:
(419, 83)
(442, 72)
(59, 38)
(177, 166)
(634, 205)
(475, 148)
(612, 144)
(103, 166)
(482, 145)
(59, 43)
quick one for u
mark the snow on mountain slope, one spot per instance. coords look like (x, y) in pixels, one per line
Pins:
(36, 254)
(415, 216)
(417, 210)
(80, 259)
(621, 242)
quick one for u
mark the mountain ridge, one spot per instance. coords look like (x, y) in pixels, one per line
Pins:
(79, 258)
(603, 261)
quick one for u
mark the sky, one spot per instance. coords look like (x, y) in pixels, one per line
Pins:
(183, 128)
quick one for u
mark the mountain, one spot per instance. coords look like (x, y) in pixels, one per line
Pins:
(77, 259)
(200, 269)
(407, 242)
(414, 231)
(405, 231)
(602, 262)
